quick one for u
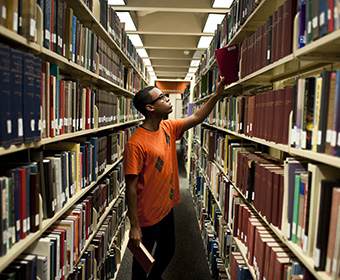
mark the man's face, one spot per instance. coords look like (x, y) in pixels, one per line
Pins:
(159, 102)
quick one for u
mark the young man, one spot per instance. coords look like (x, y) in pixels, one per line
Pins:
(151, 175)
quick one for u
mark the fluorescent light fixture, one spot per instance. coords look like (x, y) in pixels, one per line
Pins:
(222, 3)
(136, 41)
(150, 69)
(117, 2)
(211, 23)
(194, 63)
(204, 41)
(146, 61)
(192, 70)
(142, 52)
(187, 78)
(126, 17)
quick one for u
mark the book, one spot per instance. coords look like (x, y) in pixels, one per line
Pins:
(227, 61)
(332, 230)
(142, 255)
(5, 89)
(327, 187)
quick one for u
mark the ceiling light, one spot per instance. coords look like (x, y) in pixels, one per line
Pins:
(187, 78)
(117, 2)
(142, 52)
(186, 52)
(194, 63)
(126, 17)
(212, 21)
(222, 3)
(136, 41)
(204, 41)
(146, 61)
(192, 70)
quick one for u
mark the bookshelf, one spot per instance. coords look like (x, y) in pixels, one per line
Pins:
(307, 61)
(94, 80)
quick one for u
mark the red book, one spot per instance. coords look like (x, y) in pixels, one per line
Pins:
(61, 107)
(227, 61)
(267, 264)
(275, 197)
(279, 33)
(261, 253)
(279, 267)
(22, 202)
(330, 23)
(52, 106)
(278, 113)
(235, 259)
(236, 229)
(287, 109)
(52, 25)
(62, 233)
(274, 35)
(289, 12)
(88, 109)
(281, 188)
(142, 255)
(252, 224)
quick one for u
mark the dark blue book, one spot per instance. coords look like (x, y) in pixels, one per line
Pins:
(37, 98)
(14, 174)
(47, 24)
(302, 23)
(74, 32)
(89, 152)
(5, 104)
(28, 98)
(94, 142)
(16, 96)
(323, 19)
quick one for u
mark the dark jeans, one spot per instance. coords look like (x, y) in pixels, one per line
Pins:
(163, 233)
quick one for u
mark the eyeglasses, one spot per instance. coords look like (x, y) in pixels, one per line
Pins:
(161, 97)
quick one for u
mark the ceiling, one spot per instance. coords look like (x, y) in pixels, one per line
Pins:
(170, 31)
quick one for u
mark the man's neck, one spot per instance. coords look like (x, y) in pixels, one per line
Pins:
(152, 124)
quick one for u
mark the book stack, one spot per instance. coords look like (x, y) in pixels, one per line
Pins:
(316, 104)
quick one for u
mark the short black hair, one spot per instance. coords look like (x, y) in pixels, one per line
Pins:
(142, 98)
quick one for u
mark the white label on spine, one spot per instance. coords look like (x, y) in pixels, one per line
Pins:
(315, 22)
(15, 21)
(36, 219)
(20, 127)
(317, 258)
(328, 136)
(32, 125)
(319, 136)
(338, 138)
(32, 27)
(9, 126)
(4, 11)
(294, 228)
(322, 19)
(333, 138)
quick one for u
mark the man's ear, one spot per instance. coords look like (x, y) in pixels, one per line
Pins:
(149, 107)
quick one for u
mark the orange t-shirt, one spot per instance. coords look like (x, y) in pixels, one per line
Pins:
(153, 157)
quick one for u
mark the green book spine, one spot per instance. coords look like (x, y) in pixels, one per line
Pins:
(296, 207)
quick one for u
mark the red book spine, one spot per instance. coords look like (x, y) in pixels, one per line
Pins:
(22, 203)
(330, 24)
(281, 190)
(61, 107)
(288, 105)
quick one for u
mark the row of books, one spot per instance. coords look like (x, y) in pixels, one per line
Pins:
(207, 84)
(271, 41)
(249, 229)
(109, 19)
(316, 19)
(315, 122)
(39, 103)
(243, 231)
(114, 109)
(64, 34)
(60, 253)
(21, 88)
(67, 168)
(295, 188)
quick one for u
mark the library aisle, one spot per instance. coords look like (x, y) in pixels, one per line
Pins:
(190, 261)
